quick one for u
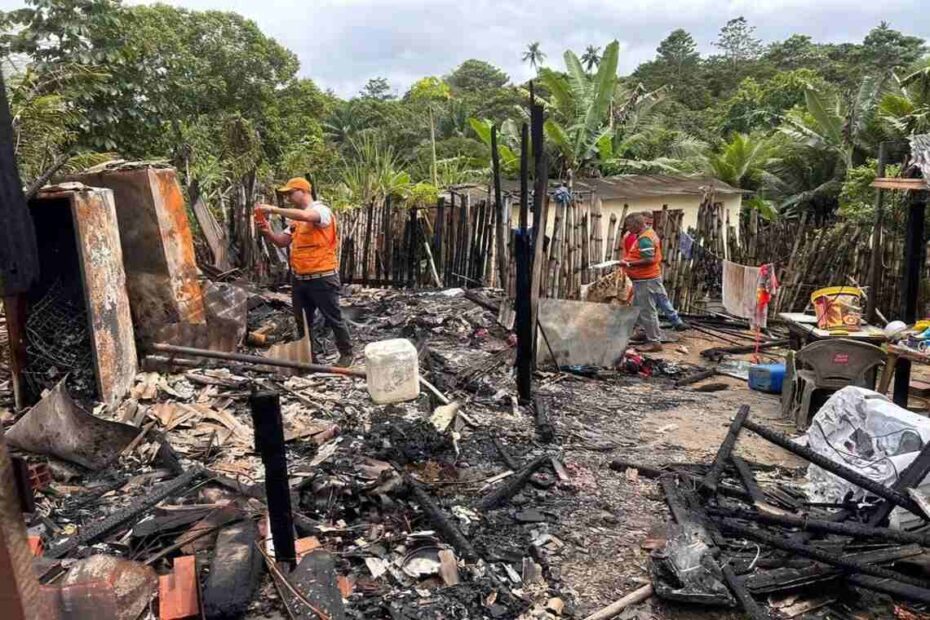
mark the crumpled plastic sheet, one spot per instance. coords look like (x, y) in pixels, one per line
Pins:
(865, 431)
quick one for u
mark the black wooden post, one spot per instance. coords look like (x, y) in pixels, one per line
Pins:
(524, 318)
(913, 259)
(502, 227)
(269, 441)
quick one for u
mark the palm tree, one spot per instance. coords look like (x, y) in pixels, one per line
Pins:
(591, 56)
(741, 161)
(534, 55)
(370, 172)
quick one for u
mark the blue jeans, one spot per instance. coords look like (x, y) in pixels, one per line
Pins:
(664, 305)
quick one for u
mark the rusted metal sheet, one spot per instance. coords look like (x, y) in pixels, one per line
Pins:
(158, 248)
(103, 282)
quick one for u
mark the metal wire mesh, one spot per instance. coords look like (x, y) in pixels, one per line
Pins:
(58, 341)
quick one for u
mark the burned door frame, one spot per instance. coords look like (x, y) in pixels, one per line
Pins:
(103, 283)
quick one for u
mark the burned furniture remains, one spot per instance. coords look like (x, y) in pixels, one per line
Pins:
(791, 544)
(76, 320)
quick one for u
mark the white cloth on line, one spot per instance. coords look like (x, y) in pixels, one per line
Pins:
(740, 284)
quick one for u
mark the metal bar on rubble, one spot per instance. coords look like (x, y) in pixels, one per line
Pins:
(161, 347)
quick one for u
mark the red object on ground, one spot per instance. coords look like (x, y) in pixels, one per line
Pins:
(178, 592)
(36, 545)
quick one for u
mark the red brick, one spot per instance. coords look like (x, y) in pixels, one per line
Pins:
(178, 591)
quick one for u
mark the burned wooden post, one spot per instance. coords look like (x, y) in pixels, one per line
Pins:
(440, 520)
(19, 257)
(914, 251)
(540, 215)
(502, 225)
(709, 484)
(819, 555)
(511, 487)
(269, 441)
(522, 304)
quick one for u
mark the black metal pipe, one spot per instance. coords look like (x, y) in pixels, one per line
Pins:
(850, 475)
(913, 260)
(818, 554)
(709, 483)
(269, 441)
(824, 526)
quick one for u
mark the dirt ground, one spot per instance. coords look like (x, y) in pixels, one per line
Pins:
(646, 421)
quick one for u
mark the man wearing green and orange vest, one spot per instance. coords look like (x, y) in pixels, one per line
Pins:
(644, 267)
(314, 264)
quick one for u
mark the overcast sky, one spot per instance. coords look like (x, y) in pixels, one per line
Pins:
(343, 43)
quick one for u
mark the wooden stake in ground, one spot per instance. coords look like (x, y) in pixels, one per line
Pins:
(612, 610)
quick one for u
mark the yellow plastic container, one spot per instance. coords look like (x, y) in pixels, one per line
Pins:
(838, 307)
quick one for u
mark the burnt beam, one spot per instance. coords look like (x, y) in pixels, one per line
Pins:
(850, 475)
(511, 487)
(912, 475)
(818, 555)
(709, 483)
(823, 526)
(440, 520)
(269, 441)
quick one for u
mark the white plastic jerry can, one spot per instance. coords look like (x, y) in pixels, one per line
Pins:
(392, 371)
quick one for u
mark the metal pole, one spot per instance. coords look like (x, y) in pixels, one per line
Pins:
(253, 359)
(913, 260)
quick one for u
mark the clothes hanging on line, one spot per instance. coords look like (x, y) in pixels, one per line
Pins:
(739, 289)
(685, 244)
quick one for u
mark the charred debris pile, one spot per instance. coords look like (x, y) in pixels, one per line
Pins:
(745, 536)
(271, 492)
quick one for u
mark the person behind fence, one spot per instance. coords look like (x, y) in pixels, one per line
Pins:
(312, 239)
(643, 265)
(663, 303)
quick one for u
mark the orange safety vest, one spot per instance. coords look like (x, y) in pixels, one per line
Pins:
(313, 249)
(648, 271)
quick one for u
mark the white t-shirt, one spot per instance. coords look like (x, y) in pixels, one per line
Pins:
(326, 215)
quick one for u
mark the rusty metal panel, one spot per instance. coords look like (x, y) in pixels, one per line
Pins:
(158, 248)
(100, 258)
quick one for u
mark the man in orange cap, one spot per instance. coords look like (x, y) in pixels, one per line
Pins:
(312, 239)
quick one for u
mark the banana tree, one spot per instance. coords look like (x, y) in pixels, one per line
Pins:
(580, 108)
(906, 107)
(831, 124)
(507, 142)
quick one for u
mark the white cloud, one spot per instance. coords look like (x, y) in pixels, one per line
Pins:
(343, 43)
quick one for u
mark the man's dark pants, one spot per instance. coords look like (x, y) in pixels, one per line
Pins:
(321, 294)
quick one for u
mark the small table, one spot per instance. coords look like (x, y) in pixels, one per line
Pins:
(896, 352)
(803, 329)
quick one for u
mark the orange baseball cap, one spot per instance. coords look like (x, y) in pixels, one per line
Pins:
(295, 184)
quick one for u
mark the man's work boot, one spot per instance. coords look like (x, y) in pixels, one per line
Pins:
(650, 347)
(345, 360)
(681, 326)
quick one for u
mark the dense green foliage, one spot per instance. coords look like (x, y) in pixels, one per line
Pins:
(796, 122)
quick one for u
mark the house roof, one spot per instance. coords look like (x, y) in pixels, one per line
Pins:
(626, 186)
(655, 185)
